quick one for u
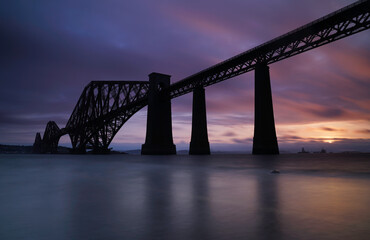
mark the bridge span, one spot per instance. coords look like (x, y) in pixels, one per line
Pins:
(104, 106)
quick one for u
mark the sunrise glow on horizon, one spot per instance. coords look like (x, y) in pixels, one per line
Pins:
(52, 50)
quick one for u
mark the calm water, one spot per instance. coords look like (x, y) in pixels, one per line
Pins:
(316, 196)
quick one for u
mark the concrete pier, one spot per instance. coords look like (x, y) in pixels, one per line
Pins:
(264, 140)
(159, 140)
(79, 150)
(199, 144)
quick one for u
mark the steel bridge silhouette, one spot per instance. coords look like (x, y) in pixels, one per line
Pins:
(104, 106)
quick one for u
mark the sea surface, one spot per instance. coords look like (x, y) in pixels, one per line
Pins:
(315, 196)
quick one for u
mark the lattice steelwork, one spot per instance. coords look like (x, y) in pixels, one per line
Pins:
(342, 23)
(52, 134)
(104, 106)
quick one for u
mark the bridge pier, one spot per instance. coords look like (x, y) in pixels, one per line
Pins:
(159, 139)
(101, 150)
(264, 140)
(100, 147)
(77, 140)
(199, 144)
(79, 150)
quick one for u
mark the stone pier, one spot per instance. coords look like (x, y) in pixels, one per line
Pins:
(199, 144)
(159, 140)
(264, 140)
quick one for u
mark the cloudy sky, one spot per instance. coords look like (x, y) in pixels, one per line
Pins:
(49, 50)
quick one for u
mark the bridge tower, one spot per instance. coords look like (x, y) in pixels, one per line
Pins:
(199, 144)
(51, 138)
(264, 140)
(159, 139)
(37, 145)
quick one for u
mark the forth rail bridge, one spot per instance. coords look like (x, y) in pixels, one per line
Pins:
(104, 106)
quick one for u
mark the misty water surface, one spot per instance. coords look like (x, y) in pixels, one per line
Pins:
(316, 196)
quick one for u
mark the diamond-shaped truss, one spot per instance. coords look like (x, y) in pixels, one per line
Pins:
(52, 134)
(104, 106)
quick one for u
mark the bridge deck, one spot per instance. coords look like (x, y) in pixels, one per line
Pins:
(104, 106)
(339, 24)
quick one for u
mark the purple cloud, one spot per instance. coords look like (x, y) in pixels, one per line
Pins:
(50, 50)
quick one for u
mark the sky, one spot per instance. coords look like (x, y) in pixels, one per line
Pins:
(50, 50)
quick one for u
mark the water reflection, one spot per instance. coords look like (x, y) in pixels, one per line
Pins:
(200, 205)
(269, 226)
(182, 197)
(158, 203)
(94, 209)
(161, 199)
(176, 203)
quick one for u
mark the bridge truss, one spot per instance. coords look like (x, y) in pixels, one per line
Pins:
(339, 24)
(104, 106)
(102, 109)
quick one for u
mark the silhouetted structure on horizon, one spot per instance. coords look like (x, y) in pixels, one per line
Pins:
(104, 106)
(264, 141)
(199, 144)
(159, 123)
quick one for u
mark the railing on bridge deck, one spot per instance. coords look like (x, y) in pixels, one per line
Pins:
(104, 106)
(339, 24)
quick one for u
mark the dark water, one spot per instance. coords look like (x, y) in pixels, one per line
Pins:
(316, 196)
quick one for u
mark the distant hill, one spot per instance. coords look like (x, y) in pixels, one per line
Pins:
(15, 149)
(20, 149)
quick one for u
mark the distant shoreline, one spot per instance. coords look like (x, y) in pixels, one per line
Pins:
(23, 149)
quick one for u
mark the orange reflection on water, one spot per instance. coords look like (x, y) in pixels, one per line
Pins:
(319, 205)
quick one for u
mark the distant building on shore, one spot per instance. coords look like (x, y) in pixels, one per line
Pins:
(322, 151)
(303, 151)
